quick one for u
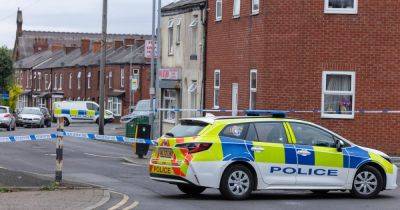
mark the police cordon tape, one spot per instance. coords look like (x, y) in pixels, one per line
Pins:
(89, 136)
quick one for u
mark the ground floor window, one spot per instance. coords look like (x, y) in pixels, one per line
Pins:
(22, 102)
(338, 94)
(170, 102)
(114, 104)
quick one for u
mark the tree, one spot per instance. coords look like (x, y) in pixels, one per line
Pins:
(14, 92)
(6, 68)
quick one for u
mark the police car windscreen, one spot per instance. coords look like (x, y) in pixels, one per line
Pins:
(186, 128)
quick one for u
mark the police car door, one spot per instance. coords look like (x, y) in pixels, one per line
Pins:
(273, 154)
(319, 162)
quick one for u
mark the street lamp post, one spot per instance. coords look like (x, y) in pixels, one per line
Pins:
(102, 67)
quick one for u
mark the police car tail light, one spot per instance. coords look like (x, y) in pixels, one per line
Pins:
(7, 116)
(195, 147)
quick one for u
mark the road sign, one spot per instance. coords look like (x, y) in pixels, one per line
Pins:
(134, 84)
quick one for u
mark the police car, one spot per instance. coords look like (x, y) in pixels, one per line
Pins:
(243, 154)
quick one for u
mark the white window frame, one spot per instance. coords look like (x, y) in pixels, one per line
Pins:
(115, 105)
(216, 88)
(79, 80)
(350, 93)
(218, 17)
(55, 81)
(178, 31)
(350, 11)
(122, 77)
(110, 77)
(70, 81)
(39, 81)
(167, 115)
(27, 79)
(60, 82)
(193, 25)
(236, 8)
(89, 77)
(252, 90)
(170, 37)
(253, 3)
(46, 82)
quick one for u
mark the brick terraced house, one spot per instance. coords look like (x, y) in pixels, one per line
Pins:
(56, 66)
(328, 57)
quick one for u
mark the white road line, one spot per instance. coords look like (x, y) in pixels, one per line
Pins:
(104, 200)
(102, 156)
(132, 206)
(133, 164)
(121, 203)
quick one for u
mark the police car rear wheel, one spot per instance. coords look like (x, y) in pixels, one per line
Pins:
(237, 183)
(367, 183)
(191, 189)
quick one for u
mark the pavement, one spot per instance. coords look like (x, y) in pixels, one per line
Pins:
(114, 167)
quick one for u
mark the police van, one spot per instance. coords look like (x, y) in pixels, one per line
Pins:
(80, 112)
(238, 155)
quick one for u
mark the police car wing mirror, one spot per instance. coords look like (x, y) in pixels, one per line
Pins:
(339, 145)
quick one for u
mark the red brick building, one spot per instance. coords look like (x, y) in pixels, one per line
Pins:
(328, 57)
(55, 66)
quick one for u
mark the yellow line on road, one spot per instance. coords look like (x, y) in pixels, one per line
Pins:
(132, 206)
(121, 203)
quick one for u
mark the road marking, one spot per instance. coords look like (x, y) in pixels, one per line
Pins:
(50, 154)
(133, 164)
(132, 206)
(121, 203)
(102, 156)
(104, 200)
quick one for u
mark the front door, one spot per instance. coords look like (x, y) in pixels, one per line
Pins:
(235, 98)
(274, 155)
(319, 162)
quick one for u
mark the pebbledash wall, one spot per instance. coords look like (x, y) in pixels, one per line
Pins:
(293, 44)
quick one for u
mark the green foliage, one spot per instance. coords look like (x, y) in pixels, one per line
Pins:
(14, 92)
(6, 68)
(52, 187)
(4, 190)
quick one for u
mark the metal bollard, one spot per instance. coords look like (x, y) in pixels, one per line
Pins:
(59, 150)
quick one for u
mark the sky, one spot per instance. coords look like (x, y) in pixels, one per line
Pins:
(124, 16)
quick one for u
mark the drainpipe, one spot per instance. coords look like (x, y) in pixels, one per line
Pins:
(204, 15)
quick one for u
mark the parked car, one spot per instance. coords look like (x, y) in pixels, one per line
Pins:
(31, 117)
(7, 119)
(74, 108)
(47, 116)
(142, 109)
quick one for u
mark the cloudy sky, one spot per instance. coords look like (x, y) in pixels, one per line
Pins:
(125, 16)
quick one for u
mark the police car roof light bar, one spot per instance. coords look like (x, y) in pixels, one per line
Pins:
(272, 113)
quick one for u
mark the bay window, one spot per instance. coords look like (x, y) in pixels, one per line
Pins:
(338, 94)
(114, 104)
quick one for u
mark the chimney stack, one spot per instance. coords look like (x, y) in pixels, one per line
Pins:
(96, 46)
(118, 44)
(56, 47)
(85, 45)
(129, 42)
(69, 49)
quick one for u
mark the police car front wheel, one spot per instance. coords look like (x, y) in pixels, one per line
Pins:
(237, 182)
(367, 183)
(191, 189)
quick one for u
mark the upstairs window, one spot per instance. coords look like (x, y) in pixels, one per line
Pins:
(110, 79)
(89, 77)
(178, 32)
(55, 81)
(79, 80)
(218, 10)
(46, 81)
(193, 26)
(341, 6)
(255, 7)
(122, 77)
(170, 37)
(60, 83)
(217, 85)
(236, 8)
(70, 81)
(338, 93)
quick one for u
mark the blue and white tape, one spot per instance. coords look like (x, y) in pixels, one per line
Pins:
(89, 136)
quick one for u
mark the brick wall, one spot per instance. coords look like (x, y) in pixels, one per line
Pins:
(292, 42)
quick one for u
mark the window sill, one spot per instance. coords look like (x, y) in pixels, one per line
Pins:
(236, 17)
(255, 13)
(341, 11)
(216, 107)
(169, 121)
(218, 20)
(170, 54)
(337, 116)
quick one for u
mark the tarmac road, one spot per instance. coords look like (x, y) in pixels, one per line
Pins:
(102, 164)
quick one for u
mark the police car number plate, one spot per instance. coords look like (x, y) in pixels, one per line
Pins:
(165, 152)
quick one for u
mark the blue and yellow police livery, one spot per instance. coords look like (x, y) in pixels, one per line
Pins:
(243, 154)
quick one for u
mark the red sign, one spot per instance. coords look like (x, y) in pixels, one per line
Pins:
(171, 74)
